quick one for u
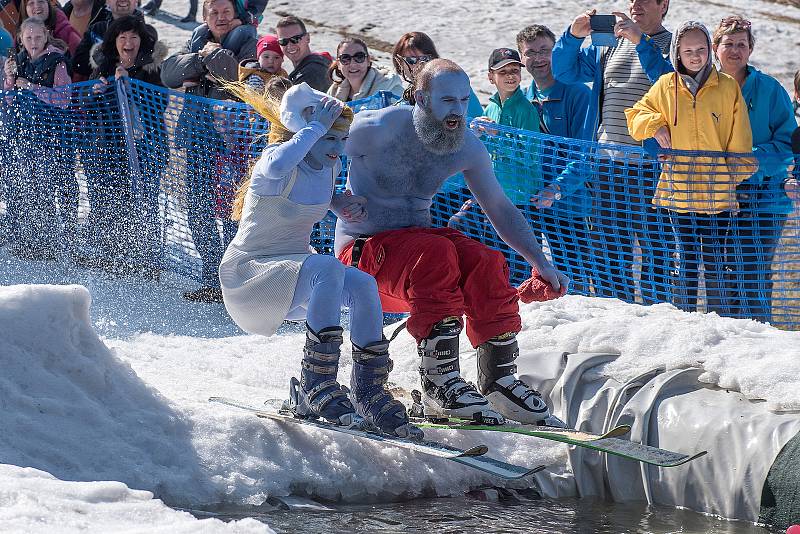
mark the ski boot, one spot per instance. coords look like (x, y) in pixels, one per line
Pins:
(317, 394)
(498, 382)
(444, 392)
(373, 402)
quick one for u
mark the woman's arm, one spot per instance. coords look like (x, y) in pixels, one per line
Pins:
(276, 163)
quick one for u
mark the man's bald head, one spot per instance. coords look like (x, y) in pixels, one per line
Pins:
(442, 96)
(431, 69)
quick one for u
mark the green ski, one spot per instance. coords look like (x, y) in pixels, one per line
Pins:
(608, 442)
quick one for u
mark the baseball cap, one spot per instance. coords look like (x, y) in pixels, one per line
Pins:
(502, 57)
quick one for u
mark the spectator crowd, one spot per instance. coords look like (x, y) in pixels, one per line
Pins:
(627, 218)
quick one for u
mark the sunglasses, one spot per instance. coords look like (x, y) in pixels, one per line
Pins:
(345, 59)
(735, 22)
(294, 39)
(413, 60)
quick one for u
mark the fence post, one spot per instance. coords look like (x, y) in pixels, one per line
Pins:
(130, 140)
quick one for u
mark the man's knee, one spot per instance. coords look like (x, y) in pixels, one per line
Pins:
(435, 252)
(489, 259)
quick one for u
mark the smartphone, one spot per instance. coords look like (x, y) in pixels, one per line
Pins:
(603, 30)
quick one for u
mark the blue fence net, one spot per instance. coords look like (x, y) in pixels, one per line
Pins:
(138, 179)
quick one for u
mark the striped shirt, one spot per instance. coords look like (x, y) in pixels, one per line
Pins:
(624, 84)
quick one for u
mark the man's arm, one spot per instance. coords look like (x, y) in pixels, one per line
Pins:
(507, 220)
(571, 63)
(654, 63)
(181, 67)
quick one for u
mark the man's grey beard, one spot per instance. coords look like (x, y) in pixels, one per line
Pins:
(433, 134)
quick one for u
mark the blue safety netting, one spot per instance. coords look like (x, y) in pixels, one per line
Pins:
(138, 179)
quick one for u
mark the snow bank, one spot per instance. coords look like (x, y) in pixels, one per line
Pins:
(36, 502)
(138, 414)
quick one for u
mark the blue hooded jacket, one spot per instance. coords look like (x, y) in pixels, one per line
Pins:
(564, 111)
(772, 121)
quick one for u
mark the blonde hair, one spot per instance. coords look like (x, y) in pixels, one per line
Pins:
(267, 104)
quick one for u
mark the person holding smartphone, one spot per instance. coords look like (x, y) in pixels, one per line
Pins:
(623, 187)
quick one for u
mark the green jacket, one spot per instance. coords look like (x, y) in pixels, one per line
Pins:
(515, 155)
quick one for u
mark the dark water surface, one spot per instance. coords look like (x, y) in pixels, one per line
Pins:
(466, 515)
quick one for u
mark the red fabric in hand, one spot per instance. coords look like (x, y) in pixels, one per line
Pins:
(537, 289)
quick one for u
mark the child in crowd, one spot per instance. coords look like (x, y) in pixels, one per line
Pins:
(35, 72)
(56, 22)
(269, 273)
(269, 63)
(509, 107)
(700, 109)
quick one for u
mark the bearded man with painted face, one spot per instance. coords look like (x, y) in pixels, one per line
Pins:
(400, 157)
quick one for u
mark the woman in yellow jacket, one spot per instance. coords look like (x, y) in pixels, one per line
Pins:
(697, 108)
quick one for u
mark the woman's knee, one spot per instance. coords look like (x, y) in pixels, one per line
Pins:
(359, 283)
(326, 269)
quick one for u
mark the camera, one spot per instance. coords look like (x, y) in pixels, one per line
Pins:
(603, 30)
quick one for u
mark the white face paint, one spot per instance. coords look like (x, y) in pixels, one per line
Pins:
(440, 113)
(326, 151)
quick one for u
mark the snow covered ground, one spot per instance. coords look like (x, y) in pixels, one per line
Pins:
(103, 387)
(468, 32)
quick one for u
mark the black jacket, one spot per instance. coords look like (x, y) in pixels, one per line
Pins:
(99, 11)
(42, 70)
(314, 71)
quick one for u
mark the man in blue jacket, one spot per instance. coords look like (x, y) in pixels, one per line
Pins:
(623, 187)
(565, 204)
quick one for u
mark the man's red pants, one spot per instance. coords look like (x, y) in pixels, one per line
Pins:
(433, 273)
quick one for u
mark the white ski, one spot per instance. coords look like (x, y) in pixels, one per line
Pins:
(472, 457)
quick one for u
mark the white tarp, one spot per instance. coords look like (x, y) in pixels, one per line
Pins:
(667, 409)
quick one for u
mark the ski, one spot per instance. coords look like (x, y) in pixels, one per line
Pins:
(472, 457)
(554, 433)
(608, 442)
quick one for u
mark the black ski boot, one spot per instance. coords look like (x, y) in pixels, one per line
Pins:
(373, 402)
(444, 392)
(498, 382)
(318, 394)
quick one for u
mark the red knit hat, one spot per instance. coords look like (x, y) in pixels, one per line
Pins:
(268, 42)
